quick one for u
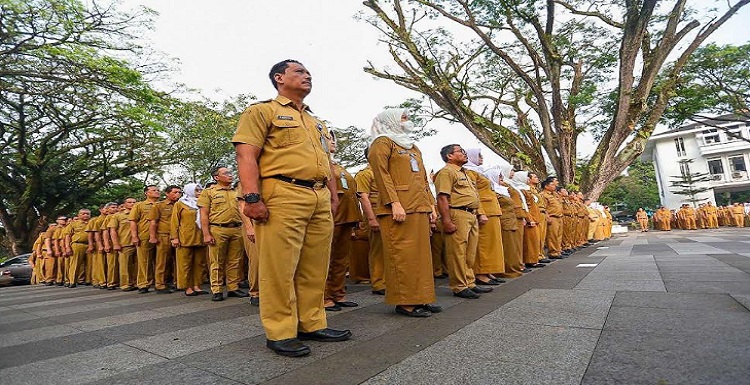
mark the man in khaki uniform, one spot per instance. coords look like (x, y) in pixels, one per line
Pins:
(368, 195)
(122, 243)
(554, 206)
(568, 223)
(95, 255)
(458, 204)
(712, 216)
(346, 218)
(58, 249)
(160, 218)
(76, 245)
(583, 221)
(284, 168)
(222, 232)
(251, 252)
(110, 274)
(542, 205)
(738, 215)
(689, 218)
(594, 217)
(139, 233)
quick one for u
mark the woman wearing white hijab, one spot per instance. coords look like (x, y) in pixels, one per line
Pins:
(490, 252)
(510, 229)
(404, 211)
(531, 232)
(188, 239)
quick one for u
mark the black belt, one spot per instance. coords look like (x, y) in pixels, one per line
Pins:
(82, 243)
(543, 211)
(313, 184)
(233, 224)
(465, 208)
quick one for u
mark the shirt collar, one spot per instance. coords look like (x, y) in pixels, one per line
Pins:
(284, 101)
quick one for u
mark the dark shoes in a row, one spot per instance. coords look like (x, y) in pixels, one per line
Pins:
(293, 347)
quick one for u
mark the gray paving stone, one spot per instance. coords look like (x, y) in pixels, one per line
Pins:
(565, 353)
(50, 348)
(743, 299)
(98, 364)
(670, 320)
(692, 301)
(696, 248)
(622, 285)
(638, 357)
(38, 334)
(730, 287)
(738, 276)
(166, 373)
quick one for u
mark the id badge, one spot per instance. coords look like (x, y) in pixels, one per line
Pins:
(344, 183)
(324, 144)
(414, 164)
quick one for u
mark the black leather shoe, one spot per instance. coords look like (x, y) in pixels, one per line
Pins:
(488, 283)
(535, 265)
(60, 284)
(335, 307)
(479, 289)
(217, 297)
(417, 312)
(112, 288)
(164, 291)
(290, 347)
(545, 260)
(526, 270)
(555, 257)
(432, 308)
(379, 292)
(143, 290)
(325, 335)
(72, 285)
(255, 301)
(498, 280)
(347, 304)
(191, 294)
(467, 293)
(237, 294)
(244, 285)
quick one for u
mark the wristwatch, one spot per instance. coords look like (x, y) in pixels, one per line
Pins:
(251, 198)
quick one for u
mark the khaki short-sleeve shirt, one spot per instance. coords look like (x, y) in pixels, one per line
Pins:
(452, 180)
(221, 203)
(139, 215)
(162, 214)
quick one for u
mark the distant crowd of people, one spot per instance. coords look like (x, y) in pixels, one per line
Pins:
(706, 216)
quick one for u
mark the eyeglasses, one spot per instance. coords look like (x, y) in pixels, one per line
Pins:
(461, 150)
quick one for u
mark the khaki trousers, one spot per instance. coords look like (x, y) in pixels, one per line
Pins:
(164, 264)
(359, 264)
(461, 250)
(490, 250)
(98, 267)
(113, 269)
(542, 234)
(190, 266)
(338, 264)
(146, 257)
(739, 220)
(88, 267)
(126, 261)
(76, 273)
(408, 262)
(437, 249)
(531, 245)
(50, 268)
(251, 251)
(225, 256)
(294, 246)
(554, 236)
(568, 232)
(643, 223)
(61, 268)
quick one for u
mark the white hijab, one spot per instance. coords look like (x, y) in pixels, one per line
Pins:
(505, 171)
(190, 200)
(388, 123)
(493, 174)
(472, 154)
(520, 180)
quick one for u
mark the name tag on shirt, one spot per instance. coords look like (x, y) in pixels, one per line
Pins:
(413, 163)
(282, 117)
(344, 183)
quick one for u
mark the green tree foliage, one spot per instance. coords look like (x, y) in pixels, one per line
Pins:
(689, 184)
(636, 189)
(76, 109)
(351, 143)
(527, 77)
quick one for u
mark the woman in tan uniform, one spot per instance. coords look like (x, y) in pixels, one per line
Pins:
(490, 251)
(531, 232)
(187, 237)
(512, 242)
(405, 210)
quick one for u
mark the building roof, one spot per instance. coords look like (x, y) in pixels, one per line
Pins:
(716, 121)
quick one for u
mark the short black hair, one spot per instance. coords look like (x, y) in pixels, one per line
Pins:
(446, 150)
(280, 68)
(146, 187)
(170, 188)
(215, 171)
(548, 180)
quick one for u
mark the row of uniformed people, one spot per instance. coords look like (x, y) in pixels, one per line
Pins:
(705, 216)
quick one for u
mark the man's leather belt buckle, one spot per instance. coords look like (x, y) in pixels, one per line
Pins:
(464, 208)
(313, 184)
(233, 224)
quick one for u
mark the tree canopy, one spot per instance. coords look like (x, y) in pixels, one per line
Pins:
(529, 77)
(636, 189)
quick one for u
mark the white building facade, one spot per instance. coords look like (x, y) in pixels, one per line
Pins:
(725, 156)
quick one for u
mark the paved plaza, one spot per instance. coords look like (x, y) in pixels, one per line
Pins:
(643, 308)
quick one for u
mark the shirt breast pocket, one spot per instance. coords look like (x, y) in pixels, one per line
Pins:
(286, 133)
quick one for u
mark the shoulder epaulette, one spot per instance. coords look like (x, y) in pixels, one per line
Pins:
(262, 101)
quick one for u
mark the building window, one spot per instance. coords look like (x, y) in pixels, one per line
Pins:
(684, 169)
(734, 133)
(737, 166)
(716, 169)
(711, 136)
(680, 145)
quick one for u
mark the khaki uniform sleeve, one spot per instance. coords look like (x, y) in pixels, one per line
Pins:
(135, 213)
(155, 213)
(380, 152)
(252, 127)
(444, 181)
(175, 221)
(205, 200)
